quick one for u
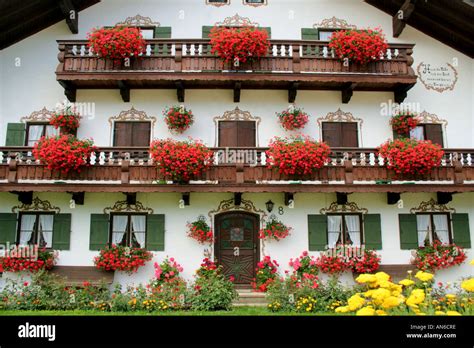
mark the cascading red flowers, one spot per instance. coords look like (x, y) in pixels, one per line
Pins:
(305, 271)
(200, 231)
(403, 122)
(267, 272)
(122, 258)
(116, 43)
(410, 156)
(63, 153)
(46, 259)
(180, 160)
(66, 119)
(438, 256)
(359, 45)
(368, 262)
(240, 44)
(274, 229)
(293, 118)
(332, 264)
(297, 155)
(178, 118)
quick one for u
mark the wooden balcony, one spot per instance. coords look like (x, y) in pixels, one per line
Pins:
(186, 64)
(233, 170)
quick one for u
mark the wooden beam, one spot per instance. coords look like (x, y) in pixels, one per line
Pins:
(444, 197)
(393, 198)
(69, 90)
(289, 197)
(401, 17)
(341, 197)
(186, 197)
(401, 92)
(78, 197)
(72, 15)
(237, 198)
(347, 92)
(292, 92)
(131, 197)
(237, 88)
(25, 197)
(180, 91)
(124, 91)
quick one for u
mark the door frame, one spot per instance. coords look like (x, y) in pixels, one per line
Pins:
(257, 242)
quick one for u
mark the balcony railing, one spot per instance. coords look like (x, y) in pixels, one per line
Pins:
(188, 63)
(231, 166)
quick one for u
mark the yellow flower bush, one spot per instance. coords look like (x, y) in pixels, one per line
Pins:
(416, 297)
(406, 282)
(366, 311)
(366, 278)
(424, 276)
(468, 285)
(355, 302)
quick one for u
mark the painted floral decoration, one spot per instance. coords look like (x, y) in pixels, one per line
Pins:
(297, 155)
(359, 45)
(178, 118)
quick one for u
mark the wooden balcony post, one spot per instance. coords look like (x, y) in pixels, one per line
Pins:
(458, 172)
(61, 55)
(12, 169)
(125, 172)
(348, 176)
(296, 59)
(178, 57)
(239, 173)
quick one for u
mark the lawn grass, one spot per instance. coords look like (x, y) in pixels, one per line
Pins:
(239, 311)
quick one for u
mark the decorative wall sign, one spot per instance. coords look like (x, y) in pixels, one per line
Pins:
(439, 78)
(350, 207)
(43, 115)
(123, 206)
(37, 205)
(432, 206)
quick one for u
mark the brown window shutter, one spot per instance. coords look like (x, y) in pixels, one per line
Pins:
(228, 134)
(350, 137)
(332, 133)
(434, 132)
(246, 134)
(123, 134)
(141, 133)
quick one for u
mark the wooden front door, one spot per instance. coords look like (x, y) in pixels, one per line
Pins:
(237, 245)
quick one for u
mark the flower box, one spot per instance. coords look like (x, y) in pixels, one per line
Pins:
(121, 258)
(46, 259)
(117, 43)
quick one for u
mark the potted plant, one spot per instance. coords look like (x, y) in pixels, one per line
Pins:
(64, 153)
(274, 229)
(200, 231)
(293, 118)
(45, 259)
(360, 46)
(267, 272)
(66, 119)
(297, 155)
(410, 156)
(178, 118)
(122, 258)
(181, 161)
(438, 256)
(117, 43)
(403, 122)
(239, 45)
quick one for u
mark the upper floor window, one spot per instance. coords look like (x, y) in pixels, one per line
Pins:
(237, 134)
(433, 132)
(433, 227)
(34, 131)
(132, 133)
(129, 230)
(344, 229)
(255, 2)
(340, 134)
(324, 34)
(36, 228)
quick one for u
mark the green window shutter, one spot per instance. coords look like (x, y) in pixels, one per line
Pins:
(372, 232)
(317, 232)
(206, 30)
(268, 30)
(309, 34)
(62, 231)
(8, 231)
(155, 232)
(163, 33)
(99, 231)
(15, 134)
(408, 231)
(461, 232)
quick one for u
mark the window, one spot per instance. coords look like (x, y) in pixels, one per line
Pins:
(128, 230)
(132, 133)
(344, 229)
(433, 132)
(218, 2)
(255, 2)
(340, 134)
(36, 228)
(34, 131)
(147, 32)
(237, 134)
(433, 227)
(324, 34)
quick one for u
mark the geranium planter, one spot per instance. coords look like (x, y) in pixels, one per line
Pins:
(200, 231)
(274, 230)
(67, 120)
(178, 119)
(438, 256)
(45, 260)
(293, 118)
(359, 46)
(121, 258)
(402, 123)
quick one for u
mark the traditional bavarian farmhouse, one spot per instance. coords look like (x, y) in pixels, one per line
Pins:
(122, 198)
